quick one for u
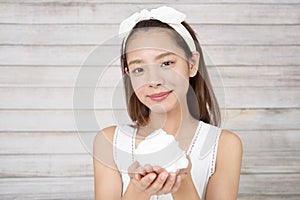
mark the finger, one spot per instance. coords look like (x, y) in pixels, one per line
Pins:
(158, 169)
(158, 183)
(167, 187)
(137, 186)
(133, 169)
(141, 172)
(148, 168)
(176, 185)
(146, 181)
(183, 172)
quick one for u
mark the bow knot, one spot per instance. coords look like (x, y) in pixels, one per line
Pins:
(145, 14)
(164, 14)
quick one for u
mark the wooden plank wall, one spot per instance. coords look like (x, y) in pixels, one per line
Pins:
(255, 45)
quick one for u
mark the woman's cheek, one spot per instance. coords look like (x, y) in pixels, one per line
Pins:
(177, 79)
(137, 83)
(139, 89)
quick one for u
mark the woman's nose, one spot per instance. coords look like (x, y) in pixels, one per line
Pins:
(154, 85)
(155, 78)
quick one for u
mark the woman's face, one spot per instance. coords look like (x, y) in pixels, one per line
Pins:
(158, 69)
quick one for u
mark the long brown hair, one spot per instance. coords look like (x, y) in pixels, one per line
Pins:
(202, 102)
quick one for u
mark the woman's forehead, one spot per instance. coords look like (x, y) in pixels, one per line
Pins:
(150, 54)
(161, 39)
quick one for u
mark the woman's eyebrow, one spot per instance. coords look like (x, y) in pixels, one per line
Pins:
(136, 61)
(163, 55)
(139, 61)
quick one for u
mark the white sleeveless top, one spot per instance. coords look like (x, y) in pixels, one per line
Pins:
(203, 155)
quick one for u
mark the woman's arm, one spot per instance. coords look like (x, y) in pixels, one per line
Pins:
(108, 185)
(224, 183)
(107, 182)
(107, 179)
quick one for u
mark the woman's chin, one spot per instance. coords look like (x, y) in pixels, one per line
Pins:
(158, 109)
(163, 108)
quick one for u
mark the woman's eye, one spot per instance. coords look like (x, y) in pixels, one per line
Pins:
(137, 70)
(168, 63)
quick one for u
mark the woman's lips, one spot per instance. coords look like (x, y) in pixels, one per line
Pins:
(159, 96)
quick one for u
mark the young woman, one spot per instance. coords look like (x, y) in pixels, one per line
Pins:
(168, 89)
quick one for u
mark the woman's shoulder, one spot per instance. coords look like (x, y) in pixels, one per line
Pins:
(230, 148)
(102, 147)
(226, 137)
(230, 139)
(106, 133)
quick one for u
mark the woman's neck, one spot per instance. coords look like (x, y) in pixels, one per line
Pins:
(173, 121)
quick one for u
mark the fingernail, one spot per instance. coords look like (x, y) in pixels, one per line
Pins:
(152, 177)
(156, 168)
(172, 176)
(148, 168)
(140, 170)
(164, 176)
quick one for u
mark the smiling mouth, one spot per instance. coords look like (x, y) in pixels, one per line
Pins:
(160, 96)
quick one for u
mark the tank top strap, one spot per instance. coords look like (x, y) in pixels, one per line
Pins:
(122, 144)
(210, 146)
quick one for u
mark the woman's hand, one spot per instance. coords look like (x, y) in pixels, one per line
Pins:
(153, 180)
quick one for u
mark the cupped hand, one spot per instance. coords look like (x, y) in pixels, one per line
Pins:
(154, 180)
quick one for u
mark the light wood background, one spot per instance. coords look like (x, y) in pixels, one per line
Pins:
(253, 43)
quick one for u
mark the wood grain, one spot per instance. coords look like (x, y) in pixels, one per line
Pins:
(39, 187)
(66, 76)
(114, 98)
(71, 165)
(86, 34)
(255, 143)
(260, 184)
(252, 45)
(108, 55)
(88, 120)
(98, 13)
(47, 188)
(162, 1)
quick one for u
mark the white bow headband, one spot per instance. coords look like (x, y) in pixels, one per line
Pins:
(164, 14)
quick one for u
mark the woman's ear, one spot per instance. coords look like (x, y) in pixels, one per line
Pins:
(194, 63)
